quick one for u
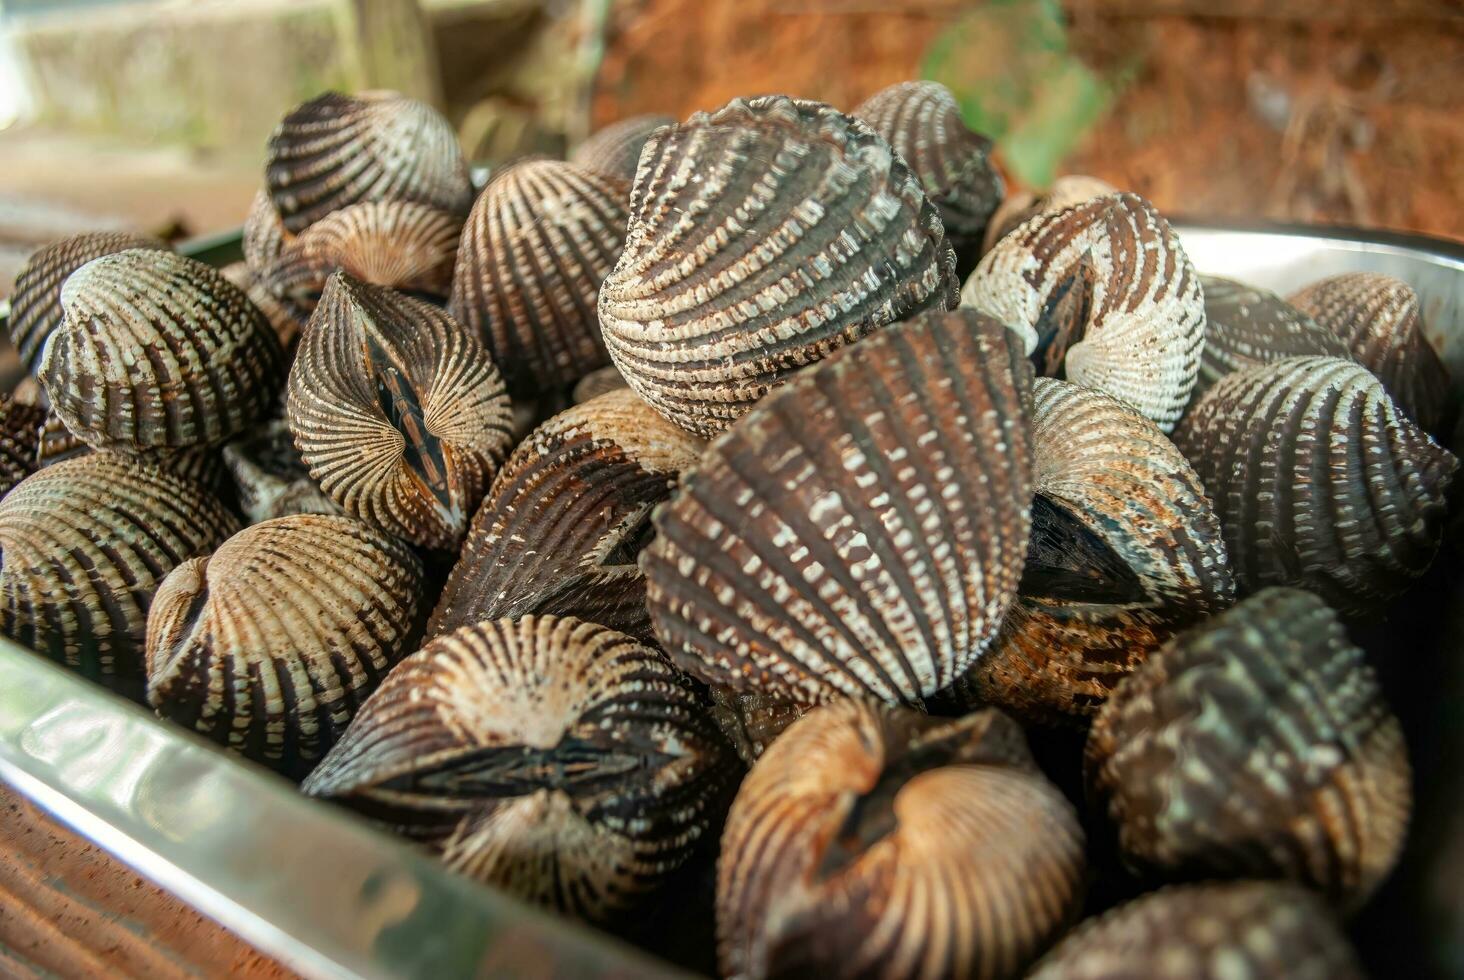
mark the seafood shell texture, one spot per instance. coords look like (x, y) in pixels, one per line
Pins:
(615, 150)
(270, 479)
(1020, 207)
(1245, 326)
(20, 441)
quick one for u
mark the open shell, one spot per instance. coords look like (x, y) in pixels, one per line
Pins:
(615, 150)
(1018, 208)
(1245, 326)
(270, 478)
(20, 441)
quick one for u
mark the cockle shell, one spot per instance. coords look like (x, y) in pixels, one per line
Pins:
(615, 150)
(558, 760)
(1257, 745)
(567, 517)
(270, 478)
(158, 352)
(55, 443)
(872, 841)
(337, 150)
(1319, 480)
(20, 440)
(539, 241)
(1378, 318)
(1245, 326)
(1020, 207)
(286, 322)
(398, 412)
(1125, 552)
(83, 545)
(271, 644)
(752, 721)
(1106, 294)
(1262, 930)
(762, 237)
(58, 442)
(598, 382)
(861, 532)
(35, 305)
(263, 236)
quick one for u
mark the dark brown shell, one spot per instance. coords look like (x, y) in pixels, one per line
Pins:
(565, 520)
(269, 477)
(55, 443)
(1245, 326)
(861, 532)
(539, 241)
(597, 383)
(20, 441)
(751, 721)
(762, 237)
(557, 760)
(1257, 745)
(1022, 206)
(1319, 480)
(397, 410)
(615, 150)
(871, 841)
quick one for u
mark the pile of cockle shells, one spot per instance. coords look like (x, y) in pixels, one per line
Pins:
(523, 520)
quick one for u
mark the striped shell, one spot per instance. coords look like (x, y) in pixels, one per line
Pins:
(1257, 745)
(1125, 552)
(1378, 318)
(35, 304)
(264, 235)
(762, 237)
(58, 442)
(861, 532)
(398, 412)
(286, 322)
(270, 479)
(55, 443)
(337, 150)
(158, 352)
(558, 760)
(1107, 295)
(871, 841)
(83, 545)
(539, 241)
(615, 150)
(20, 441)
(1246, 326)
(1020, 207)
(565, 520)
(597, 383)
(1260, 930)
(752, 721)
(1319, 480)
(271, 644)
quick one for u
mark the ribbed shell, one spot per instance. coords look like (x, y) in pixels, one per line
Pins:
(1245, 326)
(1109, 298)
(539, 241)
(861, 532)
(58, 442)
(83, 545)
(20, 440)
(598, 382)
(1257, 745)
(35, 304)
(752, 721)
(567, 517)
(555, 759)
(287, 323)
(159, 352)
(871, 841)
(1255, 929)
(615, 150)
(337, 150)
(1018, 208)
(398, 412)
(269, 477)
(1378, 318)
(762, 237)
(271, 644)
(1319, 480)
(55, 442)
(1126, 551)
(264, 235)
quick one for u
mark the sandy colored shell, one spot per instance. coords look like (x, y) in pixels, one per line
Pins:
(337, 150)
(615, 150)
(861, 532)
(1319, 480)
(539, 241)
(762, 237)
(20, 441)
(597, 383)
(271, 644)
(565, 520)
(871, 841)
(552, 758)
(1125, 552)
(1256, 929)
(397, 410)
(1022, 206)
(83, 546)
(269, 477)
(1245, 326)
(1257, 745)
(1107, 297)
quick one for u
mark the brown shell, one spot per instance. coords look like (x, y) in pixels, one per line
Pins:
(1245, 326)
(1319, 480)
(555, 759)
(398, 412)
(1260, 930)
(55, 443)
(269, 477)
(861, 532)
(1125, 552)
(271, 644)
(158, 352)
(598, 382)
(1257, 745)
(539, 241)
(286, 323)
(35, 304)
(871, 841)
(1108, 298)
(337, 150)
(20, 440)
(83, 545)
(58, 442)
(1378, 318)
(1022, 206)
(565, 520)
(752, 721)
(264, 235)
(615, 150)
(762, 237)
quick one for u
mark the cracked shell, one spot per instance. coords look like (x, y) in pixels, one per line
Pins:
(1246, 326)
(615, 150)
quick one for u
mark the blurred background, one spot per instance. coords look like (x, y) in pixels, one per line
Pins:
(153, 114)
